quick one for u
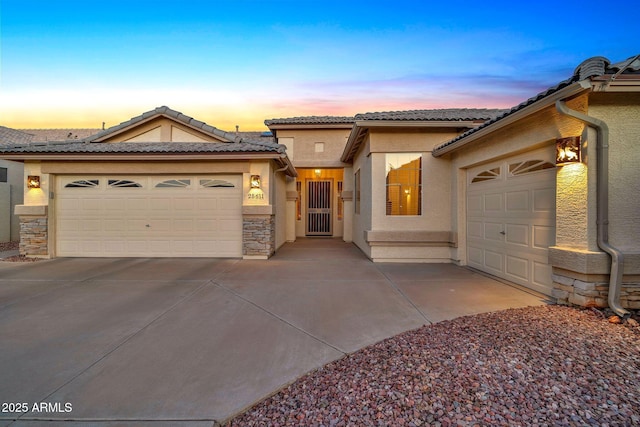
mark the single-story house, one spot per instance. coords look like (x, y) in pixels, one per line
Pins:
(490, 189)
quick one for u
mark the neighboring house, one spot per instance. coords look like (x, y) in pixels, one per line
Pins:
(474, 187)
(11, 186)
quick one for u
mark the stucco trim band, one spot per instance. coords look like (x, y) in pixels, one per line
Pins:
(412, 238)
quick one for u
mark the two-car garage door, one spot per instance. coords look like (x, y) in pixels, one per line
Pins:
(149, 216)
(511, 218)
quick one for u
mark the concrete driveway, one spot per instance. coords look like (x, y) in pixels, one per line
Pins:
(194, 341)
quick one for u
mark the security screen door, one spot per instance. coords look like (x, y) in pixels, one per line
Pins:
(319, 208)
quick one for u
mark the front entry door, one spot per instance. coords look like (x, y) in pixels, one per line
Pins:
(319, 208)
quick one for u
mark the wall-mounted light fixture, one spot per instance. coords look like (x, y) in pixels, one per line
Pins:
(33, 181)
(568, 150)
(318, 172)
(255, 181)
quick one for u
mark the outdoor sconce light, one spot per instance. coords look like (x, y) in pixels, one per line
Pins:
(318, 172)
(33, 181)
(255, 181)
(567, 150)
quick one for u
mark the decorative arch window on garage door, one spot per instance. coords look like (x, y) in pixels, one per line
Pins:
(174, 183)
(120, 183)
(487, 175)
(83, 183)
(528, 166)
(215, 183)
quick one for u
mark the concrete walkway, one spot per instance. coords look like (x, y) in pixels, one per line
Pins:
(194, 341)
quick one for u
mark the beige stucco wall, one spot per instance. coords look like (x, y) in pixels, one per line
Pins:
(161, 129)
(301, 146)
(11, 195)
(362, 220)
(621, 112)
(280, 208)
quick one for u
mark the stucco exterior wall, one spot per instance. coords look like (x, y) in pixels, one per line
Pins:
(362, 220)
(161, 129)
(280, 208)
(302, 146)
(11, 195)
(621, 112)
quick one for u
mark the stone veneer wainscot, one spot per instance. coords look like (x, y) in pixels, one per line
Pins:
(34, 230)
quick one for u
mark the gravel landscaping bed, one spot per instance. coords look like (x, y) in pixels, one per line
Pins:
(9, 246)
(535, 366)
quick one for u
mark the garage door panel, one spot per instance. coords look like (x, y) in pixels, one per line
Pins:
(544, 200)
(183, 225)
(91, 225)
(474, 205)
(492, 231)
(518, 267)
(475, 229)
(542, 274)
(91, 204)
(493, 203)
(517, 201)
(149, 221)
(543, 236)
(518, 198)
(476, 256)
(207, 204)
(517, 234)
(493, 260)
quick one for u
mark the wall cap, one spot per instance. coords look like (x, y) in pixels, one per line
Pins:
(257, 210)
(28, 210)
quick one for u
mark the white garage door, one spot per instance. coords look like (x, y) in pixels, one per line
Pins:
(149, 216)
(511, 218)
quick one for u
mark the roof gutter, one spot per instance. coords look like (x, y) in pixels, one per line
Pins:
(564, 93)
(602, 201)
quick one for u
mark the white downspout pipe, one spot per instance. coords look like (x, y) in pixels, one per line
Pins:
(602, 201)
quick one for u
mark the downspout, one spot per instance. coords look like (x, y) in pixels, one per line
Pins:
(602, 201)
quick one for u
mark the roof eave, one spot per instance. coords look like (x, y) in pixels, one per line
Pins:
(356, 136)
(79, 157)
(311, 126)
(569, 91)
(419, 123)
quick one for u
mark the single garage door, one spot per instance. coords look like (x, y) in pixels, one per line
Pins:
(511, 218)
(149, 216)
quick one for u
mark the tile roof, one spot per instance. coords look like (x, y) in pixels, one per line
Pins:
(311, 120)
(592, 67)
(13, 136)
(450, 114)
(42, 135)
(143, 147)
(168, 112)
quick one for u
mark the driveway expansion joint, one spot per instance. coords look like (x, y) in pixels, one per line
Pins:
(280, 318)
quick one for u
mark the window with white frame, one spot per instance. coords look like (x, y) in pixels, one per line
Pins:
(404, 183)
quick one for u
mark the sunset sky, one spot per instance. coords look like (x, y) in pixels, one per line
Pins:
(74, 64)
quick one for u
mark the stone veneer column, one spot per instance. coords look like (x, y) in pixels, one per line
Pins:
(258, 232)
(34, 230)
